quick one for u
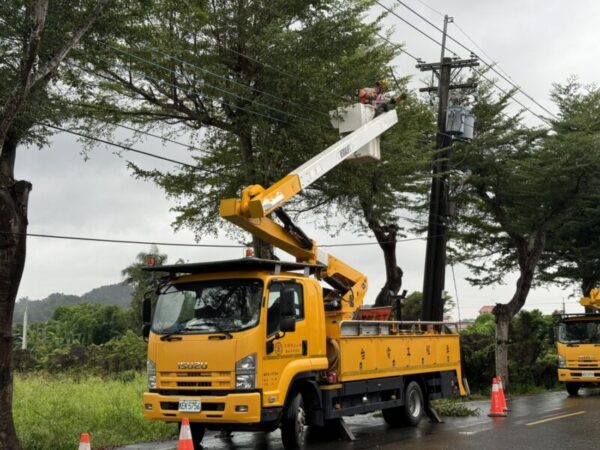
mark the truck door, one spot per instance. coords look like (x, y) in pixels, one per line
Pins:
(289, 347)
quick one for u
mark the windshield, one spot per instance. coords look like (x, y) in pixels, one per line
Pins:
(586, 332)
(220, 306)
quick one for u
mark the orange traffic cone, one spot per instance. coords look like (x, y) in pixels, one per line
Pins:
(185, 436)
(503, 404)
(84, 442)
(495, 408)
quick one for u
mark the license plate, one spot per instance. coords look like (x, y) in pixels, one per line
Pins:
(587, 374)
(190, 406)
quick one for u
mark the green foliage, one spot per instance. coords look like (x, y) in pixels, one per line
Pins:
(43, 310)
(412, 305)
(83, 337)
(92, 324)
(572, 254)
(454, 408)
(51, 411)
(532, 358)
(260, 77)
(127, 353)
(143, 282)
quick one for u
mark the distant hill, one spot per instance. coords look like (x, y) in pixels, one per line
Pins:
(42, 310)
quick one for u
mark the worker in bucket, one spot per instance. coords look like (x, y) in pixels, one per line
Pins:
(378, 97)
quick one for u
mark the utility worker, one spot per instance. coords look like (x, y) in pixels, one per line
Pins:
(378, 97)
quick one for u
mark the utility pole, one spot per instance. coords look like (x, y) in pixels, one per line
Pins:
(437, 230)
(24, 338)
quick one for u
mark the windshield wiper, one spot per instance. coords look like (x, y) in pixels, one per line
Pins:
(220, 329)
(167, 337)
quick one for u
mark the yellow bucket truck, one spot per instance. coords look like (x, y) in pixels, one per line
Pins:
(578, 346)
(254, 344)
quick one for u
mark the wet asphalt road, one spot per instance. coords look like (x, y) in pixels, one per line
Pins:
(546, 421)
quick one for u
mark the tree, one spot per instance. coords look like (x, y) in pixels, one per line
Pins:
(254, 81)
(143, 282)
(371, 199)
(572, 256)
(412, 305)
(519, 184)
(35, 38)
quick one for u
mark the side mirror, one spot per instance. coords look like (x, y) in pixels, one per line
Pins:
(551, 337)
(287, 321)
(146, 331)
(146, 314)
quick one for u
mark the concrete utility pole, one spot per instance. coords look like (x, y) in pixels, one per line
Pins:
(437, 231)
(24, 339)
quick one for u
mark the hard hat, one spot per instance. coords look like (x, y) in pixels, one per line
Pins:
(383, 84)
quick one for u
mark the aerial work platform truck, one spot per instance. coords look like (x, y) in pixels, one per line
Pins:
(255, 344)
(578, 346)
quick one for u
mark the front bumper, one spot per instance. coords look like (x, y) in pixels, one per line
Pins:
(582, 375)
(215, 409)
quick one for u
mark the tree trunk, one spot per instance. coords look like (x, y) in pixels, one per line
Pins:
(13, 227)
(263, 249)
(502, 324)
(529, 251)
(386, 237)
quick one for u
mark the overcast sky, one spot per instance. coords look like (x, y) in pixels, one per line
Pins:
(536, 42)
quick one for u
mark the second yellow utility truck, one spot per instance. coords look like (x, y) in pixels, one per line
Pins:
(254, 344)
(578, 346)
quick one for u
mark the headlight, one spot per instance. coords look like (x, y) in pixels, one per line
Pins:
(245, 372)
(562, 362)
(151, 368)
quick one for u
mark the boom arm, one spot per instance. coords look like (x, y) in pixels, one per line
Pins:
(252, 211)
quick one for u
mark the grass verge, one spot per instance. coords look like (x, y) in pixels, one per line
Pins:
(51, 412)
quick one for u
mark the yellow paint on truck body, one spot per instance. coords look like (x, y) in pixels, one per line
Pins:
(367, 357)
(579, 359)
(213, 384)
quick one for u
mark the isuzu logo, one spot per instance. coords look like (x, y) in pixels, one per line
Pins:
(192, 365)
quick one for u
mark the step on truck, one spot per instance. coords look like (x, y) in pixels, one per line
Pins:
(255, 344)
(578, 346)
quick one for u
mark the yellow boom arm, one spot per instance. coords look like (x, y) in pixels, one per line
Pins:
(252, 211)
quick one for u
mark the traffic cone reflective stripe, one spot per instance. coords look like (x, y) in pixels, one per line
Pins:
(185, 436)
(495, 408)
(503, 404)
(84, 442)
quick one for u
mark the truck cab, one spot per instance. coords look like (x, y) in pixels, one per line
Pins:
(227, 340)
(578, 347)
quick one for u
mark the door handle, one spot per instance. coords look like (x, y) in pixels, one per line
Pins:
(304, 347)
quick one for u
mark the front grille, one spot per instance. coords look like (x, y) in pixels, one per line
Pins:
(194, 384)
(195, 380)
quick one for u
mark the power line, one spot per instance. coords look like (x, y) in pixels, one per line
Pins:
(224, 91)
(431, 8)
(245, 86)
(491, 67)
(179, 244)
(397, 46)
(124, 147)
(123, 241)
(391, 11)
(493, 83)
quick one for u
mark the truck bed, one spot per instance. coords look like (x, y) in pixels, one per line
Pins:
(370, 349)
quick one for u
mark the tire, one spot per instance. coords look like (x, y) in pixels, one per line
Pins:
(293, 423)
(573, 388)
(409, 414)
(198, 431)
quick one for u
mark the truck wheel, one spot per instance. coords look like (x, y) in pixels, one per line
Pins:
(198, 431)
(573, 388)
(411, 412)
(293, 423)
